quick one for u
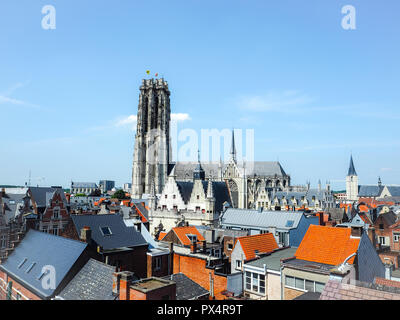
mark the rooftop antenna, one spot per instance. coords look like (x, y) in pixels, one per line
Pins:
(29, 179)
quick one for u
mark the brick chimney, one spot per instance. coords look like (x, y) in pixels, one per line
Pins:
(86, 234)
(124, 284)
(193, 247)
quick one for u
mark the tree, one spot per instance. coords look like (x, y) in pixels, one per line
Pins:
(120, 195)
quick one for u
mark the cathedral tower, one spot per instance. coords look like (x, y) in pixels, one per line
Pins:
(152, 142)
(352, 183)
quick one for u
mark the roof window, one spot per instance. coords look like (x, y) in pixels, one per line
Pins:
(106, 231)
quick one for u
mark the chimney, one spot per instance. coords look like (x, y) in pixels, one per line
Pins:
(86, 234)
(116, 283)
(124, 284)
(356, 231)
(211, 287)
(388, 270)
(193, 247)
(171, 258)
(204, 243)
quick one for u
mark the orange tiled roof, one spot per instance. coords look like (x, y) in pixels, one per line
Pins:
(365, 218)
(386, 282)
(181, 233)
(327, 245)
(161, 235)
(264, 243)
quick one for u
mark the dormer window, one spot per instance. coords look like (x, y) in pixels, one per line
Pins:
(192, 237)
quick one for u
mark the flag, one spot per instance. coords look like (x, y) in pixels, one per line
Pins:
(156, 74)
(148, 71)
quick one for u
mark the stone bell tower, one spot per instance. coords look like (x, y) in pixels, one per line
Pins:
(152, 142)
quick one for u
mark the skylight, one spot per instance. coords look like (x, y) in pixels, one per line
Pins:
(22, 263)
(289, 223)
(30, 267)
(106, 231)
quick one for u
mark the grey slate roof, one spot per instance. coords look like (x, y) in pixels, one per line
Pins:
(220, 190)
(13, 202)
(43, 249)
(122, 235)
(264, 219)
(369, 190)
(394, 190)
(93, 282)
(352, 170)
(273, 261)
(41, 195)
(184, 170)
(186, 289)
(84, 185)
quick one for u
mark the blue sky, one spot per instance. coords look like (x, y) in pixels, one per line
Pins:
(313, 92)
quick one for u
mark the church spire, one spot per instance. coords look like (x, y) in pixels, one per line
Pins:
(233, 148)
(198, 172)
(352, 170)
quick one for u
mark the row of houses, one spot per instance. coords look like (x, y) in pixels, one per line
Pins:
(251, 254)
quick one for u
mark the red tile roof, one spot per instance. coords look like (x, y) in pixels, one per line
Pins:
(388, 283)
(328, 245)
(181, 233)
(161, 235)
(264, 243)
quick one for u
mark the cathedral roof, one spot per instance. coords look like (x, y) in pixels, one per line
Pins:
(184, 170)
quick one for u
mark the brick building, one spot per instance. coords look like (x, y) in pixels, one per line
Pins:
(114, 241)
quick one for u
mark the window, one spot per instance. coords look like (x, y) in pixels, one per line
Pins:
(157, 263)
(381, 226)
(106, 231)
(18, 296)
(197, 208)
(55, 230)
(3, 242)
(299, 283)
(289, 281)
(30, 267)
(230, 246)
(304, 284)
(255, 282)
(198, 197)
(238, 264)
(175, 207)
(289, 223)
(396, 237)
(192, 237)
(22, 263)
(44, 229)
(174, 196)
(166, 196)
(56, 213)
(248, 281)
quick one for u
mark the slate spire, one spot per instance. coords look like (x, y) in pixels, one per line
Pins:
(352, 170)
(233, 148)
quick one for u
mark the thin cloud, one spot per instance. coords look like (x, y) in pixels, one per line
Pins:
(6, 99)
(286, 101)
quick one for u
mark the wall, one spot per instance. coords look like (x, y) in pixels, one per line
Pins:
(290, 293)
(158, 294)
(16, 287)
(273, 286)
(195, 269)
(237, 254)
(151, 272)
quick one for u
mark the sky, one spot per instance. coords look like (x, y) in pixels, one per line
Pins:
(312, 92)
